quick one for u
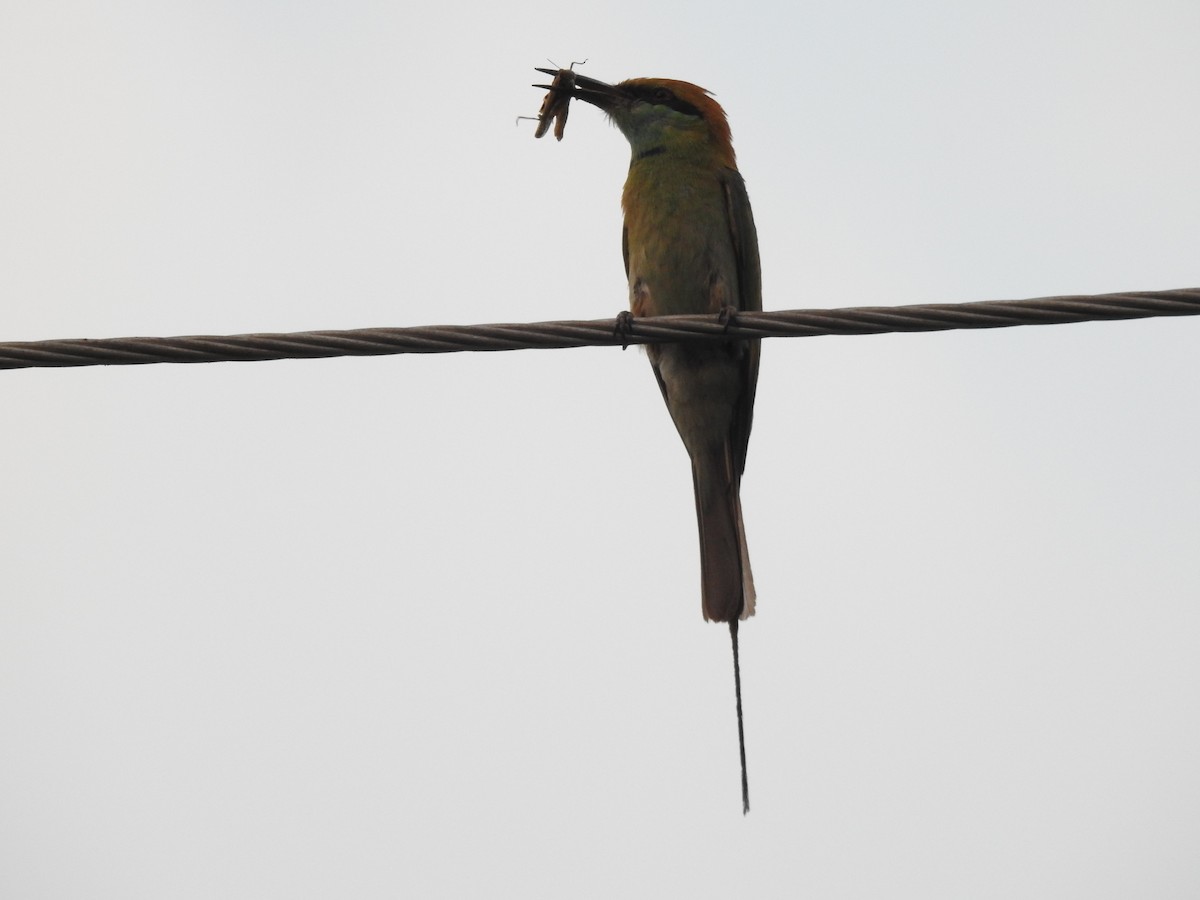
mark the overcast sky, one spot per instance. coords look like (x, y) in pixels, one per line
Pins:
(430, 626)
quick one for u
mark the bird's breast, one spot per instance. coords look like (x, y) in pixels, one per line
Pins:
(681, 256)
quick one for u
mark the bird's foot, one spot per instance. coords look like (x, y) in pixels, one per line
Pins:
(623, 328)
(728, 316)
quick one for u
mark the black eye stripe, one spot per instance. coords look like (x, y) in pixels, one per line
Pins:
(663, 97)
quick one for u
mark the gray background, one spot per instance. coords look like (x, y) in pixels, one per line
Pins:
(430, 626)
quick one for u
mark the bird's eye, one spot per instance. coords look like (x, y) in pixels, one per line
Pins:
(662, 95)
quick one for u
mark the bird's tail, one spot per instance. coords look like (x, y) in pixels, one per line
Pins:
(727, 586)
(726, 582)
(737, 692)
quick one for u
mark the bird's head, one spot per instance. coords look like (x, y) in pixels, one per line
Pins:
(663, 113)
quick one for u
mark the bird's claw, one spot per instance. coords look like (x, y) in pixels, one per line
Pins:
(728, 316)
(623, 328)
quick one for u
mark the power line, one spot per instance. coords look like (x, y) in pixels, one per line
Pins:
(600, 332)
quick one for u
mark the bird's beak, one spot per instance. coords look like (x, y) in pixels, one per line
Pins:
(598, 93)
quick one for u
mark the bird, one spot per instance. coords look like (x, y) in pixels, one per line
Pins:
(690, 247)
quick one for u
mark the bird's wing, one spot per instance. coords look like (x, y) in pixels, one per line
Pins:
(749, 272)
(625, 247)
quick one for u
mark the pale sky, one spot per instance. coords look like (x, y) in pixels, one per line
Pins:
(430, 626)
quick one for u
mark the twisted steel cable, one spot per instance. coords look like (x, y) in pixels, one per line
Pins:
(599, 332)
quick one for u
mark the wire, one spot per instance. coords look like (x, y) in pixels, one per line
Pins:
(621, 331)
